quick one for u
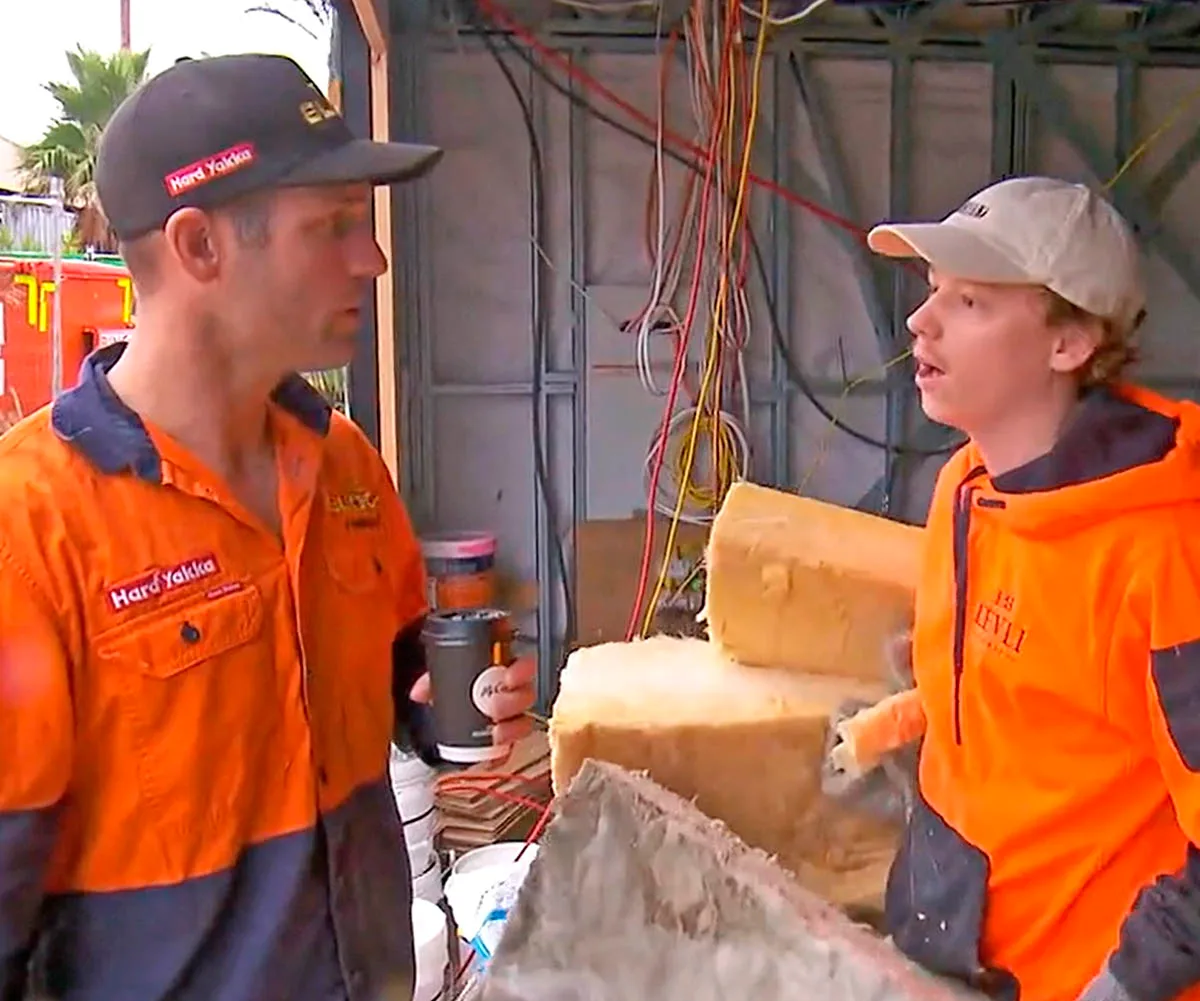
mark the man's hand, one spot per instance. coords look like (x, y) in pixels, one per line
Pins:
(518, 697)
(879, 785)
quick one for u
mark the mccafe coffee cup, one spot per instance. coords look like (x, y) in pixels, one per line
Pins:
(466, 653)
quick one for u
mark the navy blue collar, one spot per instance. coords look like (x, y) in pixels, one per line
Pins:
(1106, 435)
(92, 418)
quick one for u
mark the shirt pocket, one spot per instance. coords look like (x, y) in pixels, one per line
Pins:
(354, 562)
(359, 621)
(202, 699)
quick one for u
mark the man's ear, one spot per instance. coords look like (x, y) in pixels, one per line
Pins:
(191, 239)
(1074, 343)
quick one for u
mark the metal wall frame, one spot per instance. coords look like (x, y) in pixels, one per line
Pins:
(1152, 36)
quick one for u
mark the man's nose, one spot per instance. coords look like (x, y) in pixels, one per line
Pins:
(366, 258)
(923, 322)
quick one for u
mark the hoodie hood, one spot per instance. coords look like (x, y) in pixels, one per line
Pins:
(1123, 450)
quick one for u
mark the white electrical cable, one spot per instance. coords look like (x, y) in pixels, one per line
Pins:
(705, 64)
(659, 317)
(664, 503)
(783, 22)
(616, 7)
(651, 316)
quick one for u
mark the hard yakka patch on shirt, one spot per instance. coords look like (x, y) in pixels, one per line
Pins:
(152, 585)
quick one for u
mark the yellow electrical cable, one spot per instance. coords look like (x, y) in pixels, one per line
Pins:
(715, 424)
(693, 438)
(717, 320)
(720, 319)
(714, 340)
(725, 466)
(832, 428)
(710, 365)
(1173, 116)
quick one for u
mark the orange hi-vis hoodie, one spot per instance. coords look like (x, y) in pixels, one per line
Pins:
(1057, 652)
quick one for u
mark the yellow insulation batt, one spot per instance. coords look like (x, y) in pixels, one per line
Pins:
(801, 584)
(745, 743)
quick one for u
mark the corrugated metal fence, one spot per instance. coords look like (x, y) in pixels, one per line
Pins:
(26, 224)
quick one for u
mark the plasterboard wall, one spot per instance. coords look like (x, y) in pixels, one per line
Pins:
(473, 370)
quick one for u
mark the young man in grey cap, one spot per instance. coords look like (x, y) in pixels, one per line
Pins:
(1051, 848)
(210, 593)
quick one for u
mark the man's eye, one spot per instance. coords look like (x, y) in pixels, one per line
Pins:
(968, 301)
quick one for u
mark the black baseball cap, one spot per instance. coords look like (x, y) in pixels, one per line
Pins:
(206, 131)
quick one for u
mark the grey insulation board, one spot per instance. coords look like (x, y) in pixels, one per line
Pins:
(636, 894)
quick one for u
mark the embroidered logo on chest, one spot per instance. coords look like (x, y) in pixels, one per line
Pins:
(162, 580)
(358, 508)
(997, 621)
(352, 502)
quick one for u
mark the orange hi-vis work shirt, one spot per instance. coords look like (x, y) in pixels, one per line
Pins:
(1057, 653)
(196, 713)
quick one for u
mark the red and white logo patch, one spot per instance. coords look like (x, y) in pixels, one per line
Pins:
(162, 580)
(210, 168)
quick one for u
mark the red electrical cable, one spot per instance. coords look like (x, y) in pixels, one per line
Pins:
(668, 410)
(492, 777)
(540, 826)
(680, 358)
(501, 15)
(528, 802)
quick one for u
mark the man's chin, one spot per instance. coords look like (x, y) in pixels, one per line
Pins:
(939, 410)
(337, 348)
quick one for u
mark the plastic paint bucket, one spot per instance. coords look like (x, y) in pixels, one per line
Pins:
(478, 909)
(417, 811)
(427, 885)
(419, 854)
(431, 945)
(461, 570)
(412, 787)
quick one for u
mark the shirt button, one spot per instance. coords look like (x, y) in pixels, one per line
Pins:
(322, 775)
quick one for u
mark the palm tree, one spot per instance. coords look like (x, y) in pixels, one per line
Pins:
(320, 11)
(68, 148)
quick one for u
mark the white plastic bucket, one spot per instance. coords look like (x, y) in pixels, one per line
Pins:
(427, 884)
(419, 855)
(420, 829)
(432, 946)
(412, 786)
(482, 885)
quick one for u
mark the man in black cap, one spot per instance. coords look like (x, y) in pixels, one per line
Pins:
(204, 576)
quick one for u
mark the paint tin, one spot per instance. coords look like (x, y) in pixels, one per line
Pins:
(466, 653)
(461, 570)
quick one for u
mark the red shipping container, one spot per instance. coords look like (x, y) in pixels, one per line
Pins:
(98, 306)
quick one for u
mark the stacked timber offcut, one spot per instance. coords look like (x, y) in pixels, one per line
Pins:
(802, 600)
(494, 801)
